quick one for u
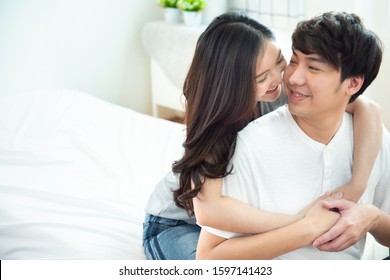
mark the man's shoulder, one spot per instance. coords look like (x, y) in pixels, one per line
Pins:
(386, 143)
(271, 121)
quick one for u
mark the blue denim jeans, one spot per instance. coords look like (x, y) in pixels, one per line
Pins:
(167, 239)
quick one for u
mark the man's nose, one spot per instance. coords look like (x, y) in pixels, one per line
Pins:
(297, 76)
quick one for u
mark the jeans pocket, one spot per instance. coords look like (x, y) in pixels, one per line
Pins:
(154, 225)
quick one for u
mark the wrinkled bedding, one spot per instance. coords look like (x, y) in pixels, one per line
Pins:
(75, 175)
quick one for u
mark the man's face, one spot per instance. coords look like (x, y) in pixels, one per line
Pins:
(313, 88)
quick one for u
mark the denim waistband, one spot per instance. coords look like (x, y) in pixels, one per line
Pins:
(150, 218)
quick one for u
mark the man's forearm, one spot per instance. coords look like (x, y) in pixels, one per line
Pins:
(381, 228)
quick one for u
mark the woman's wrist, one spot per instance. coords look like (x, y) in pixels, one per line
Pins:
(309, 230)
(353, 190)
(358, 183)
(319, 224)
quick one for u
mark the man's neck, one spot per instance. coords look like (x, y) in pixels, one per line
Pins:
(322, 129)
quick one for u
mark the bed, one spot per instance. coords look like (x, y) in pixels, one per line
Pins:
(75, 175)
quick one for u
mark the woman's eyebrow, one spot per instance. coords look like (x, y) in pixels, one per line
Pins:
(261, 74)
(277, 60)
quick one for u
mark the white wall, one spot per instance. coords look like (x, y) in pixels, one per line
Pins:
(95, 45)
(91, 45)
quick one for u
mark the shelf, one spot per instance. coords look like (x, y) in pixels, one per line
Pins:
(171, 48)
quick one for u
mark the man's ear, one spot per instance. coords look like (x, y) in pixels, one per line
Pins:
(354, 84)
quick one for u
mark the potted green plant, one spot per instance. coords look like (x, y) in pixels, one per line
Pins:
(192, 11)
(171, 12)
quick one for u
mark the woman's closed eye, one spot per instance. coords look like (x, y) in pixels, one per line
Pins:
(262, 80)
(280, 60)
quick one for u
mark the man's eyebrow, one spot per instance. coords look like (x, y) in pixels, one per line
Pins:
(316, 58)
(312, 57)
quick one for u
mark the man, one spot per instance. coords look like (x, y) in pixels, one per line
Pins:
(334, 60)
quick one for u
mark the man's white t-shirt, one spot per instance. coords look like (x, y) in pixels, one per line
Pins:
(161, 201)
(278, 168)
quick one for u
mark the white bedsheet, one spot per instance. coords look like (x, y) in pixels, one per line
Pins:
(75, 174)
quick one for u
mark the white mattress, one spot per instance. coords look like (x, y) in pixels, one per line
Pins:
(75, 175)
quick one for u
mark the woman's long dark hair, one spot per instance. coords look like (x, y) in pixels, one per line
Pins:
(220, 99)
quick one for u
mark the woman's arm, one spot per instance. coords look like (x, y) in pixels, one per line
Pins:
(223, 212)
(271, 244)
(229, 214)
(368, 135)
(367, 120)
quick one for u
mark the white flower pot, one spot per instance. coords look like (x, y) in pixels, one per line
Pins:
(172, 15)
(192, 18)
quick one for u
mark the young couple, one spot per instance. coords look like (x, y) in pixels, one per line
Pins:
(285, 183)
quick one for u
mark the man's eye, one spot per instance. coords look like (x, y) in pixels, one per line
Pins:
(314, 68)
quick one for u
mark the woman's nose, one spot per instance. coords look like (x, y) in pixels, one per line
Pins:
(278, 76)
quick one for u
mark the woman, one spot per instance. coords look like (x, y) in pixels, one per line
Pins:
(235, 76)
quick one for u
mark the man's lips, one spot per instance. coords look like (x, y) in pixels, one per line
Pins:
(297, 96)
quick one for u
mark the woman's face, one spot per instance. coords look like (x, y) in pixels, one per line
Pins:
(269, 69)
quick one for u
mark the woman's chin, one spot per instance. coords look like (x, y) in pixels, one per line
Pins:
(270, 97)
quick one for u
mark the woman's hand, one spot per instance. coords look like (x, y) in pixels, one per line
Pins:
(356, 220)
(319, 218)
(303, 212)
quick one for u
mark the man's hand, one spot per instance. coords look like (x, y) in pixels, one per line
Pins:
(354, 223)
